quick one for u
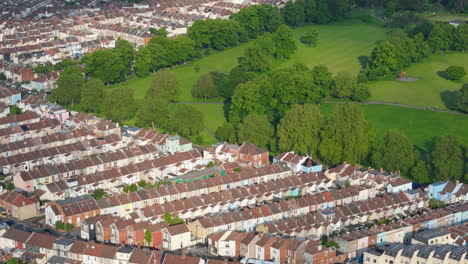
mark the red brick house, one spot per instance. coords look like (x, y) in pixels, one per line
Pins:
(252, 156)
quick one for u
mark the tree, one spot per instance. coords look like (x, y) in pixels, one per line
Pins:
(383, 59)
(441, 37)
(344, 85)
(142, 183)
(422, 47)
(397, 36)
(462, 99)
(434, 203)
(41, 69)
(143, 64)
(339, 8)
(360, 93)
(330, 243)
(154, 112)
(148, 237)
(425, 28)
(347, 136)
(293, 13)
(63, 64)
(268, 16)
(420, 172)
(13, 261)
(323, 78)
(310, 38)
(92, 95)
(255, 60)
(172, 220)
(104, 65)
(447, 158)
(245, 101)
(14, 110)
(226, 132)
(2, 76)
(124, 50)
(130, 188)
(69, 86)
(120, 104)
(205, 87)
(284, 42)
(299, 130)
(159, 56)
(266, 43)
(455, 72)
(256, 129)
(460, 38)
(187, 120)
(215, 33)
(396, 153)
(323, 13)
(162, 31)
(165, 86)
(391, 8)
(310, 10)
(249, 20)
(99, 193)
(10, 186)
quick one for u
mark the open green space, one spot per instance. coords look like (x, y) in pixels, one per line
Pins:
(421, 126)
(342, 46)
(431, 90)
(213, 117)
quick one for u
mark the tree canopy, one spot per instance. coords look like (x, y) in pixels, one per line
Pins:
(299, 130)
(284, 42)
(395, 153)
(120, 104)
(105, 65)
(186, 120)
(447, 158)
(69, 86)
(256, 129)
(205, 87)
(346, 136)
(462, 98)
(164, 85)
(92, 95)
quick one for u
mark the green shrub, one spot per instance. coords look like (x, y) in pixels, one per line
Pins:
(455, 72)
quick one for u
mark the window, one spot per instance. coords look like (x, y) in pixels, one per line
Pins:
(367, 259)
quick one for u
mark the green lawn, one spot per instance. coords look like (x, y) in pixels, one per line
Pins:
(421, 126)
(431, 90)
(213, 118)
(341, 46)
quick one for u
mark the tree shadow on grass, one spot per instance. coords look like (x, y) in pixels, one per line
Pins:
(449, 98)
(363, 60)
(443, 75)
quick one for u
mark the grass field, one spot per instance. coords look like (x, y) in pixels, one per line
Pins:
(431, 90)
(341, 46)
(421, 126)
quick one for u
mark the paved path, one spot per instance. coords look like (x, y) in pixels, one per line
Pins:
(400, 105)
(211, 133)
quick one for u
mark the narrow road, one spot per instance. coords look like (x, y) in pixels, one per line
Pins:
(399, 105)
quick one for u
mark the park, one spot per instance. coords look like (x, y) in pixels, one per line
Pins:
(343, 46)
